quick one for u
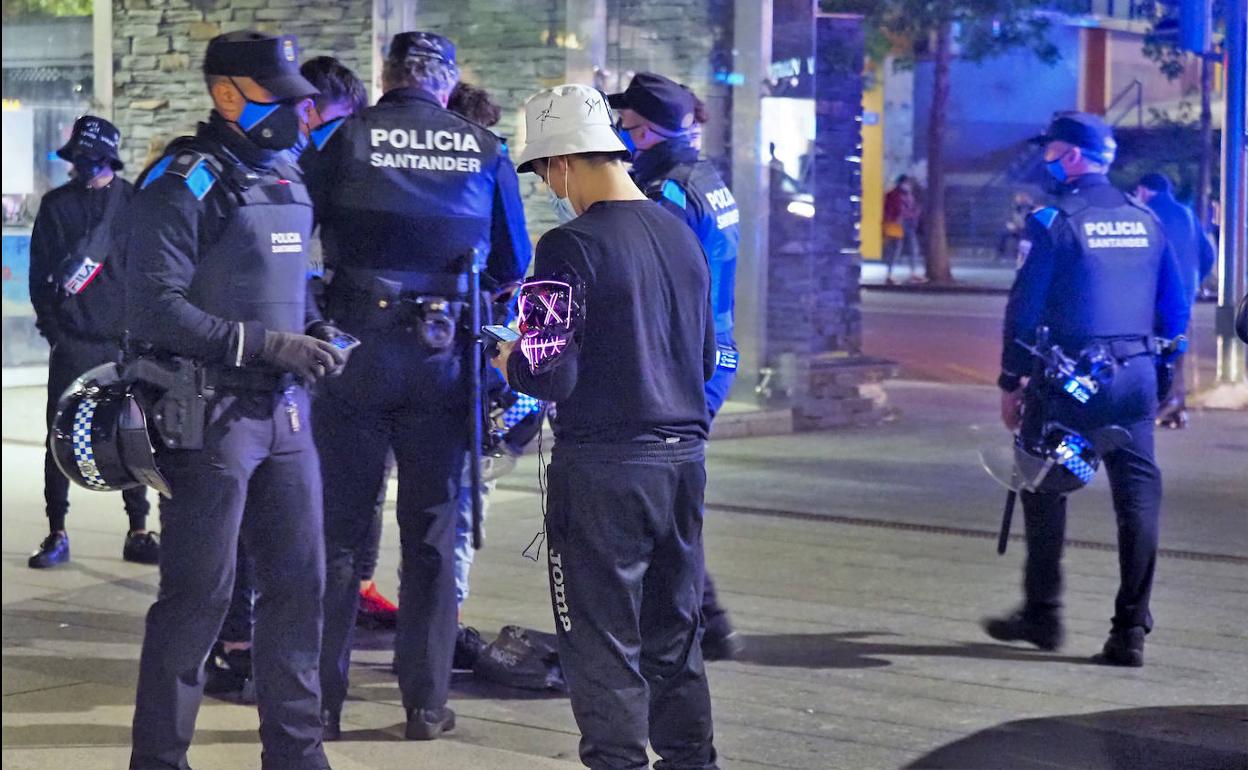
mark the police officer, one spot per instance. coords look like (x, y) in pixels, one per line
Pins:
(404, 190)
(1097, 270)
(658, 117)
(216, 286)
(74, 288)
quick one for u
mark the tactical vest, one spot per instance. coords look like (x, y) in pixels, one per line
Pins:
(256, 270)
(714, 217)
(1109, 288)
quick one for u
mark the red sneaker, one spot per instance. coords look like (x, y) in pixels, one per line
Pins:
(376, 610)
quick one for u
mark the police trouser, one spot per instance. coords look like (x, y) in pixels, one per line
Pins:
(394, 394)
(1135, 484)
(71, 356)
(625, 535)
(714, 616)
(254, 461)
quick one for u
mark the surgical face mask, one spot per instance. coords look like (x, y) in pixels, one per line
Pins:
(301, 144)
(269, 125)
(564, 212)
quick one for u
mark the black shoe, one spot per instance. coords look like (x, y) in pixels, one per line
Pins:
(721, 645)
(142, 548)
(427, 724)
(468, 647)
(1045, 634)
(228, 674)
(331, 722)
(1123, 648)
(52, 551)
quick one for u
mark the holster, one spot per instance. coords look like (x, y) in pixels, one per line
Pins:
(178, 406)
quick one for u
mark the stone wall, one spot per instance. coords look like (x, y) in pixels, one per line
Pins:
(159, 46)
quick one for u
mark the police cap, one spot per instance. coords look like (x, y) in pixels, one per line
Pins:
(1083, 130)
(271, 61)
(93, 137)
(661, 101)
(429, 45)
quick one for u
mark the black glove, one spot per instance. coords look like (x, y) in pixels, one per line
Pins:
(301, 354)
(323, 330)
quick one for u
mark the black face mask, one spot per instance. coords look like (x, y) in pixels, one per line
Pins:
(86, 169)
(269, 125)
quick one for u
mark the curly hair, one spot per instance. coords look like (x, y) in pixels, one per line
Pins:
(475, 104)
(433, 75)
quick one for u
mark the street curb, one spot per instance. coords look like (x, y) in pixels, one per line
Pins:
(930, 288)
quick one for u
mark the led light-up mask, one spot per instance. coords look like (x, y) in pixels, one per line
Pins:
(551, 311)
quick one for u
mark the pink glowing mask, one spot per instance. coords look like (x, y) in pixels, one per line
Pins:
(548, 320)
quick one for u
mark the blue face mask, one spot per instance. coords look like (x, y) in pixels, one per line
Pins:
(1054, 167)
(562, 207)
(626, 137)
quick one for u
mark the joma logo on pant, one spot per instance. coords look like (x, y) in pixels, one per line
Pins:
(561, 596)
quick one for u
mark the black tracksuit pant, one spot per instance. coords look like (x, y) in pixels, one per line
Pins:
(71, 356)
(252, 461)
(624, 524)
(1135, 484)
(393, 394)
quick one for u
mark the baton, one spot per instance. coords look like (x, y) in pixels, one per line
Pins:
(476, 353)
(1006, 516)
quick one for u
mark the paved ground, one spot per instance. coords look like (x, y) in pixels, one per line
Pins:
(857, 563)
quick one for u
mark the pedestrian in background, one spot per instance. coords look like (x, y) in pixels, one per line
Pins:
(1194, 251)
(901, 226)
(74, 286)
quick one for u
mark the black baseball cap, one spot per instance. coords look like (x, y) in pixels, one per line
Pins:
(1085, 131)
(93, 137)
(659, 100)
(271, 61)
(429, 45)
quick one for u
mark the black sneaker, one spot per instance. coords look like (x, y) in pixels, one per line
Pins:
(228, 674)
(1123, 648)
(331, 723)
(142, 548)
(719, 645)
(468, 647)
(52, 551)
(1046, 634)
(427, 724)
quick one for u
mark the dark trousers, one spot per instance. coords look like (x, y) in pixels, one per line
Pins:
(1135, 485)
(714, 616)
(252, 461)
(625, 538)
(393, 395)
(70, 358)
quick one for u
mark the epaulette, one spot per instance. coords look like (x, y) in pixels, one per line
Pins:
(197, 169)
(1046, 216)
(673, 192)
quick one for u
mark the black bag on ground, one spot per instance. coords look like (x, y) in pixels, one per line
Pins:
(523, 658)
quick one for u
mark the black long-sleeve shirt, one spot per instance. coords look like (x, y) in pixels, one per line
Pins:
(637, 369)
(66, 215)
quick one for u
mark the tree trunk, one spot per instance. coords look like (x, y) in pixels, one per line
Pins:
(1204, 179)
(936, 240)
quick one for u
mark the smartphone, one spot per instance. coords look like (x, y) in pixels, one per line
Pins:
(500, 333)
(345, 342)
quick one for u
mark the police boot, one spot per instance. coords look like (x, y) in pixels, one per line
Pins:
(228, 674)
(142, 548)
(331, 725)
(1044, 632)
(52, 551)
(1125, 647)
(427, 724)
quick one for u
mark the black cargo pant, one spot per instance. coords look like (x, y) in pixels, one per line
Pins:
(71, 356)
(625, 554)
(252, 460)
(396, 395)
(1135, 485)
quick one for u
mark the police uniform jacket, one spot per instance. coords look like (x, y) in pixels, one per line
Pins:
(75, 223)
(692, 189)
(406, 188)
(217, 248)
(1096, 267)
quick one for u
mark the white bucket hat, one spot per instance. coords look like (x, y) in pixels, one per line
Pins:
(566, 120)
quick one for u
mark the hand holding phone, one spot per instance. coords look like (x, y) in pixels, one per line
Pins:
(501, 334)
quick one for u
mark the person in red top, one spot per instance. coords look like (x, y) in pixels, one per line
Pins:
(901, 226)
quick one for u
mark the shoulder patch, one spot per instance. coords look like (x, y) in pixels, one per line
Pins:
(1046, 216)
(156, 171)
(322, 133)
(200, 180)
(674, 193)
(194, 168)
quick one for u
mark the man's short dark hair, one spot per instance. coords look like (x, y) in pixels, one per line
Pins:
(1156, 182)
(475, 104)
(426, 73)
(336, 82)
